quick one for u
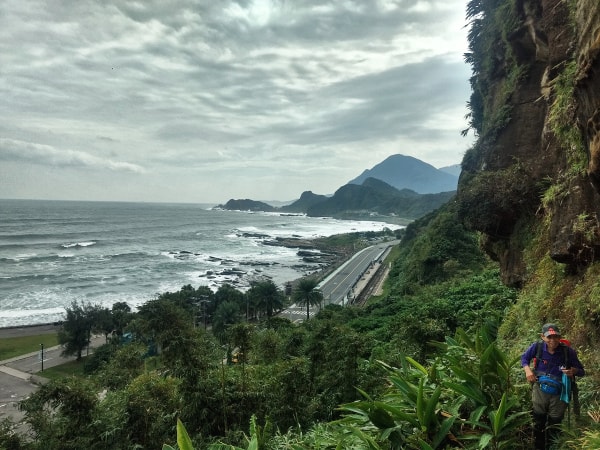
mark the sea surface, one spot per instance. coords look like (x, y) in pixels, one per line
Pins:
(54, 253)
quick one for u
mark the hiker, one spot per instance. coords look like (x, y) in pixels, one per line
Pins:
(554, 366)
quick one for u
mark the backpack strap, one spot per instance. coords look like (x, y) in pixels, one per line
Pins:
(566, 355)
(538, 354)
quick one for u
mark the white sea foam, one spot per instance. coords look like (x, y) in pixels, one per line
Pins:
(23, 256)
(137, 262)
(78, 244)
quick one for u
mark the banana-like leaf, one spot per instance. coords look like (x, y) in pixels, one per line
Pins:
(432, 406)
(499, 416)
(183, 439)
(474, 394)
(443, 431)
(416, 365)
(484, 440)
(420, 407)
(253, 445)
(364, 394)
(398, 414)
(408, 389)
(424, 445)
(372, 445)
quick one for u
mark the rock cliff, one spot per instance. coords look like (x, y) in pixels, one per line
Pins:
(543, 155)
(531, 183)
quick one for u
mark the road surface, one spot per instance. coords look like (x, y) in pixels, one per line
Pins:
(20, 376)
(343, 285)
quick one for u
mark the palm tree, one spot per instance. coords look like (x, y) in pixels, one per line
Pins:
(266, 297)
(307, 294)
(228, 313)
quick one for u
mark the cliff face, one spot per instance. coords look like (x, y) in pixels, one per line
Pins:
(538, 153)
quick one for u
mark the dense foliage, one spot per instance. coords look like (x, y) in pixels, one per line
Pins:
(419, 367)
(250, 365)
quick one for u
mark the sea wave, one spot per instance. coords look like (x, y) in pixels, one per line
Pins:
(133, 252)
(78, 244)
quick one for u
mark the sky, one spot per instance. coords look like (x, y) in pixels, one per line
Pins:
(202, 101)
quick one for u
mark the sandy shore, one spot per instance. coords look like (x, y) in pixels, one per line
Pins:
(28, 330)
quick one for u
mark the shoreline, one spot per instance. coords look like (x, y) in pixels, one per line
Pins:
(29, 330)
(330, 256)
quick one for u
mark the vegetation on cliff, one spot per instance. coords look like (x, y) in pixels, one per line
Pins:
(526, 184)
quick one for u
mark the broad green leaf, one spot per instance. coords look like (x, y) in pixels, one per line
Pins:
(398, 414)
(443, 431)
(484, 440)
(253, 445)
(183, 440)
(417, 365)
(424, 445)
(364, 394)
(476, 414)
(499, 416)
(365, 438)
(474, 394)
(420, 406)
(431, 406)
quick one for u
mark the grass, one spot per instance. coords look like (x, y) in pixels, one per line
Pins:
(70, 369)
(17, 346)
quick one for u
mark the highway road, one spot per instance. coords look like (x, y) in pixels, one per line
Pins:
(342, 285)
(345, 283)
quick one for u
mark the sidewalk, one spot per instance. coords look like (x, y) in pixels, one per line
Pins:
(20, 377)
(28, 376)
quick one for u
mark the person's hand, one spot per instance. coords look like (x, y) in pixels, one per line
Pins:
(570, 372)
(529, 374)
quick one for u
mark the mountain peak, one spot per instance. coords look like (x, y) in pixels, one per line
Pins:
(406, 172)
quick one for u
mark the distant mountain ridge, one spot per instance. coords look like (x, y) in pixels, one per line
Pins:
(375, 197)
(454, 169)
(372, 196)
(406, 172)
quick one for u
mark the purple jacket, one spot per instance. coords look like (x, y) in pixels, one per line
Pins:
(551, 363)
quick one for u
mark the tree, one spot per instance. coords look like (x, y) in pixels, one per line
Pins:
(76, 329)
(167, 325)
(153, 403)
(121, 314)
(307, 294)
(227, 314)
(103, 322)
(60, 413)
(266, 297)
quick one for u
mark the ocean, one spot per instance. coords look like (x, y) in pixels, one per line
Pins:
(53, 253)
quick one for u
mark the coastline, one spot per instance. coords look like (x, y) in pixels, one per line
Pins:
(28, 330)
(320, 256)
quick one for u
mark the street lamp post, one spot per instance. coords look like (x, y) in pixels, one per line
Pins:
(201, 301)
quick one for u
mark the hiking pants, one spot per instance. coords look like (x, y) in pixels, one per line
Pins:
(548, 413)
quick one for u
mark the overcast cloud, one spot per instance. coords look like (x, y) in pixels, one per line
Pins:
(203, 100)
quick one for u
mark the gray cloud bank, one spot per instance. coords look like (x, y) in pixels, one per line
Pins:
(205, 101)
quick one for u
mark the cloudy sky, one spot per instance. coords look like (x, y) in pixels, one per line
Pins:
(206, 100)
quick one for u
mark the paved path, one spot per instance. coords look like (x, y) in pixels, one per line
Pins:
(21, 376)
